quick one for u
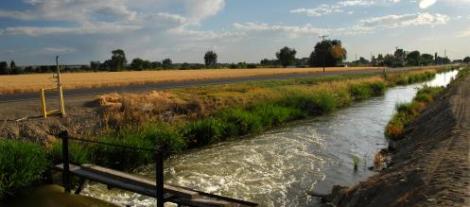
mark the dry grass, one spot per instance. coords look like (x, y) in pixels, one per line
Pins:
(34, 82)
(194, 103)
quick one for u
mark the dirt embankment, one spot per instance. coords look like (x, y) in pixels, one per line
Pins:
(430, 167)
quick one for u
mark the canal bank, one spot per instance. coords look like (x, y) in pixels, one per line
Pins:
(279, 167)
(261, 166)
(430, 166)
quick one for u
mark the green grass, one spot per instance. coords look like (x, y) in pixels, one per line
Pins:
(146, 137)
(21, 164)
(410, 78)
(408, 112)
(288, 100)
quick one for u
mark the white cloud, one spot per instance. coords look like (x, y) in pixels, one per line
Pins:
(108, 16)
(423, 4)
(338, 7)
(102, 28)
(321, 10)
(298, 31)
(295, 30)
(363, 27)
(199, 10)
(190, 34)
(404, 20)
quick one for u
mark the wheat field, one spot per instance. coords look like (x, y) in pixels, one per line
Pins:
(10, 84)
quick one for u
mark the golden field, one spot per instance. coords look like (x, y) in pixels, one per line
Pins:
(34, 82)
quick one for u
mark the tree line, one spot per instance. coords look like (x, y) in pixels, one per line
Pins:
(326, 53)
(402, 58)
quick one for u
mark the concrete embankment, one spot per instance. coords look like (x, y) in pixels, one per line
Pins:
(430, 166)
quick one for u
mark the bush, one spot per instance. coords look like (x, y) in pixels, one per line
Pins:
(21, 164)
(273, 115)
(407, 113)
(205, 131)
(240, 122)
(149, 136)
(79, 153)
(361, 91)
(325, 102)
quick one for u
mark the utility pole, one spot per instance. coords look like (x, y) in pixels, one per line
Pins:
(323, 37)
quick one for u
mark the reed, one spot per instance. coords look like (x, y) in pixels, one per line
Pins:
(21, 164)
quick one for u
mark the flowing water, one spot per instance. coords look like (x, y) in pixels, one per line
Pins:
(278, 167)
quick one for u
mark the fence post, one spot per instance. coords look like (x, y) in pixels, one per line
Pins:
(43, 103)
(159, 176)
(66, 162)
(61, 101)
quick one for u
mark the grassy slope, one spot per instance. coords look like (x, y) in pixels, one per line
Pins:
(201, 116)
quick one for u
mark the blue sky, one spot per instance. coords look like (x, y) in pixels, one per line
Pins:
(34, 31)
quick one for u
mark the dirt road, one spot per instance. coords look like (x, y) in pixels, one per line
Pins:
(431, 166)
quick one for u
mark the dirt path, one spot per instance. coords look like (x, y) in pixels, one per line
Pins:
(431, 167)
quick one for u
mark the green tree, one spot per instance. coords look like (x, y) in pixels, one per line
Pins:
(361, 62)
(413, 58)
(4, 68)
(286, 56)
(95, 65)
(118, 60)
(13, 68)
(379, 60)
(467, 60)
(137, 64)
(400, 57)
(327, 53)
(167, 63)
(210, 59)
(427, 59)
(389, 60)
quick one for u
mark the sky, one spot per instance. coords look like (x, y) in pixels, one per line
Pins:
(35, 31)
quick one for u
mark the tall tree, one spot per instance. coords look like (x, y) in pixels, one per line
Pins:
(167, 63)
(286, 56)
(380, 60)
(4, 68)
(400, 57)
(467, 60)
(137, 64)
(13, 68)
(210, 58)
(328, 53)
(118, 60)
(427, 59)
(413, 58)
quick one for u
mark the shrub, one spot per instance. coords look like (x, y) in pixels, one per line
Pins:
(407, 113)
(204, 131)
(79, 153)
(361, 91)
(325, 102)
(240, 122)
(273, 115)
(149, 136)
(21, 164)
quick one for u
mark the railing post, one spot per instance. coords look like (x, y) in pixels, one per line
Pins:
(43, 103)
(66, 162)
(61, 101)
(159, 176)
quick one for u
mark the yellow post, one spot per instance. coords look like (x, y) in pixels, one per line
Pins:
(61, 101)
(43, 103)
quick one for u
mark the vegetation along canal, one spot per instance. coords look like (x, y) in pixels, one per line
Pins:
(279, 167)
